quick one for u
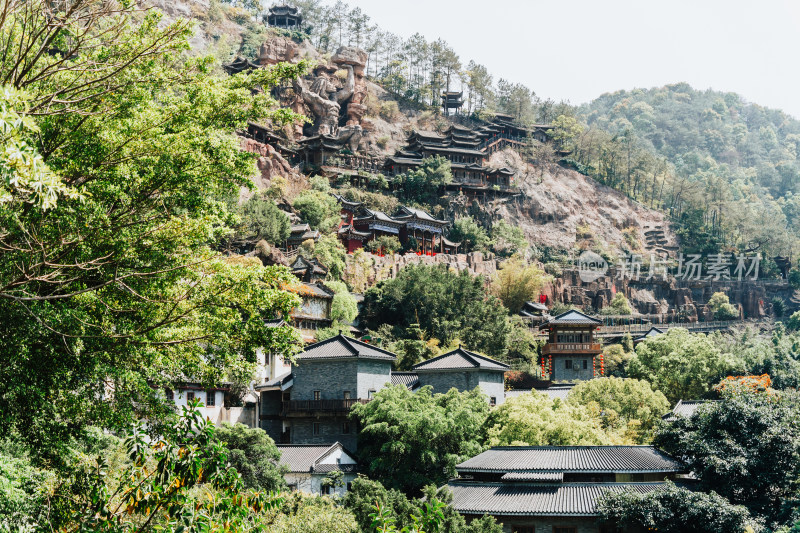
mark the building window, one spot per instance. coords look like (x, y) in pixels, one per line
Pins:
(190, 396)
(293, 487)
(345, 428)
(316, 395)
(169, 394)
(585, 364)
(327, 489)
(568, 364)
(370, 394)
(523, 529)
(349, 485)
(557, 529)
(211, 398)
(493, 401)
(316, 428)
(347, 395)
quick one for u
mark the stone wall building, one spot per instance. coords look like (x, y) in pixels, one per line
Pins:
(572, 352)
(463, 370)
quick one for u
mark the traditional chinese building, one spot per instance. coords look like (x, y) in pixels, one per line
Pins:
(308, 270)
(299, 234)
(238, 65)
(284, 17)
(572, 353)
(361, 225)
(555, 489)
(452, 100)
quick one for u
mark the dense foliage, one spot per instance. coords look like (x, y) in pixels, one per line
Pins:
(446, 306)
(675, 510)
(112, 286)
(627, 406)
(745, 448)
(680, 364)
(726, 169)
(254, 455)
(535, 419)
(412, 439)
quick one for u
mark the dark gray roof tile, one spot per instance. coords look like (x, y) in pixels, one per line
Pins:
(619, 459)
(340, 347)
(569, 499)
(461, 358)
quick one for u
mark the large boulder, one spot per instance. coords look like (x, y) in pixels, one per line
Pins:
(277, 50)
(350, 55)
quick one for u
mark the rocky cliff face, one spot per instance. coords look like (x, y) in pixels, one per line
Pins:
(668, 298)
(563, 209)
(365, 269)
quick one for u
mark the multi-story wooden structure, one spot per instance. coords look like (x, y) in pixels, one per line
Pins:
(284, 17)
(466, 151)
(572, 352)
(361, 225)
(452, 100)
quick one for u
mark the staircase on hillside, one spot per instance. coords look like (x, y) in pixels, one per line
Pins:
(656, 240)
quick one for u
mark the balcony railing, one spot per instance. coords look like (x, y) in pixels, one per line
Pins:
(313, 406)
(572, 347)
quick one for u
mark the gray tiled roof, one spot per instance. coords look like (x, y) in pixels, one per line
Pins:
(318, 291)
(573, 318)
(686, 408)
(409, 379)
(652, 332)
(419, 213)
(533, 476)
(597, 459)
(569, 499)
(305, 457)
(461, 358)
(341, 346)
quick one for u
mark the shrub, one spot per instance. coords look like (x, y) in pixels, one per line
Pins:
(389, 110)
(382, 142)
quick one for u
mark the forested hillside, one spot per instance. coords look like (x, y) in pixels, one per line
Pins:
(714, 161)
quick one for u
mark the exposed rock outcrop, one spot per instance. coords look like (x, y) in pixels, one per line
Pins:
(365, 269)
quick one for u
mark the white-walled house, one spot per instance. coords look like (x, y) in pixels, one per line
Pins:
(310, 464)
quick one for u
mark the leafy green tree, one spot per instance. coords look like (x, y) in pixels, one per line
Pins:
(627, 406)
(675, 510)
(311, 514)
(262, 219)
(508, 240)
(319, 209)
(365, 493)
(472, 237)
(411, 439)
(793, 324)
(423, 183)
(618, 305)
(445, 305)
(722, 308)
(329, 251)
(120, 289)
(536, 420)
(680, 364)
(254, 455)
(518, 282)
(158, 486)
(616, 360)
(565, 130)
(743, 448)
(387, 244)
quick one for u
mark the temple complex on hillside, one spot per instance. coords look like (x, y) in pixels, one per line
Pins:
(361, 225)
(572, 353)
(284, 17)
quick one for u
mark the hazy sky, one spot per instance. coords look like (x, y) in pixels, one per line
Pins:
(579, 49)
